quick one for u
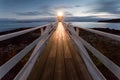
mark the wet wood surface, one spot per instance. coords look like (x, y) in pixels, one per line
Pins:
(59, 60)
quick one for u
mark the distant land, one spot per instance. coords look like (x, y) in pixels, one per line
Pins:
(111, 21)
(66, 19)
(53, 19)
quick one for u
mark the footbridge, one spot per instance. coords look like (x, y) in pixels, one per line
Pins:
(59, 53)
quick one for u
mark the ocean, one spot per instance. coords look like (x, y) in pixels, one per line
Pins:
(5, 26)
(115, 26)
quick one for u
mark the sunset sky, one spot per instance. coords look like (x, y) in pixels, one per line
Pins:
(35, 9)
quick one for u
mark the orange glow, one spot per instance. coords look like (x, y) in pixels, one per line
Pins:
(60, 16)
(59, 13)
(60, 31)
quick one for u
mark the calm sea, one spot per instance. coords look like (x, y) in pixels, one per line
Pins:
(4, 26)
(97, 25)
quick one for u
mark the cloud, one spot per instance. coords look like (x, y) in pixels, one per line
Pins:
(96, 8)
(35, 13)
(62, 7)
(77, 5)
(66, 6)
(108, 6)
(28, 13)
(66, 13)
(46, 11)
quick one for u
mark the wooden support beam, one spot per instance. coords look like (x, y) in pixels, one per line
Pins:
(41, 30)
(77, 30)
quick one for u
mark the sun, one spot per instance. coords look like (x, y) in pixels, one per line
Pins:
(59, 13)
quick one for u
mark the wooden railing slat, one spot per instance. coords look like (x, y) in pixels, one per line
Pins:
(105, 34)
(14, 34)
(13, 61)
(95, 73)
(25, 71)
(107, 62)
(5, 68)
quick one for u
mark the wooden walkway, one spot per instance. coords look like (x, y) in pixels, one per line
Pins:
(59, 60)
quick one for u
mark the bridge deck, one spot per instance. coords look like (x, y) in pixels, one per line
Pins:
(59, 60)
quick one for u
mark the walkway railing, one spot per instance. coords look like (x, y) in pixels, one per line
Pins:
(8, 36)
(81, 44)
(112, 36)
(39, 43)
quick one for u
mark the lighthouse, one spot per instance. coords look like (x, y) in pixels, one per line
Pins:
(60, 16)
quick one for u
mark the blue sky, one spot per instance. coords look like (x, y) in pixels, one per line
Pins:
(35, 9)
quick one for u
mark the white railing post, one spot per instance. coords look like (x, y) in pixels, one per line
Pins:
(77, 30)
(41, 31)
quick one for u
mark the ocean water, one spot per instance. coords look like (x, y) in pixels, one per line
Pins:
(97, 25)
(5, 26)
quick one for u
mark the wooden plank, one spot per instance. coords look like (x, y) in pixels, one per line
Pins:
(69, 65)
(79, 64)
(59, 66)
(70, 70)
(48, 72)
(95, 73)
(60, 60)
(40, 63)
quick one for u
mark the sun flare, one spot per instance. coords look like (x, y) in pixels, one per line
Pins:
(59, 13)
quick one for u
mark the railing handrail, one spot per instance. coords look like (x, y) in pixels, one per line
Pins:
(6, 67)
(115, 69)
(39, 43)
(105, 34)
(25, 71)
(95, 73)
(14, 60)
(14, 34)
